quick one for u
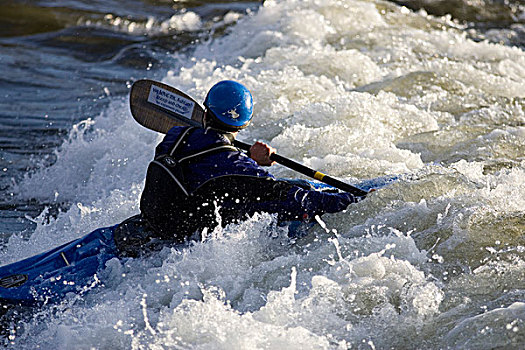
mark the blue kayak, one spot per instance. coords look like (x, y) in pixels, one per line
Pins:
(48, 277)
(72, 267)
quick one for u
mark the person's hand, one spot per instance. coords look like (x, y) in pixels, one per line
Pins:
(261, 152)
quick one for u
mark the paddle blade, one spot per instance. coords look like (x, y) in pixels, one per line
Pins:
(160, 107)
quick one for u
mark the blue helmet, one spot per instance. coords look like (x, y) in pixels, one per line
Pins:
(230, 104)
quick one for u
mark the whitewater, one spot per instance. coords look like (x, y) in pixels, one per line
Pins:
(357, 90)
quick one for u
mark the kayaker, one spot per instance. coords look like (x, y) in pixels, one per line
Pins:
(199, 180)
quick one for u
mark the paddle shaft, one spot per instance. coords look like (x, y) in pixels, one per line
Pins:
(308, 171)
(300, 168)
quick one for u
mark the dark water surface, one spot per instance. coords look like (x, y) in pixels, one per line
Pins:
(60, 62)
(501, 21)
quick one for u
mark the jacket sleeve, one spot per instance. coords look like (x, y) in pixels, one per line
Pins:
(319, 202)
(289, 201)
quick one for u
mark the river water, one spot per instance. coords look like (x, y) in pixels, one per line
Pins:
(433, 92)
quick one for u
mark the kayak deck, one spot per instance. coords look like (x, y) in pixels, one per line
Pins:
(49, 276)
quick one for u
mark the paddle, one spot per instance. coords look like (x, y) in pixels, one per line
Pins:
(160, 107)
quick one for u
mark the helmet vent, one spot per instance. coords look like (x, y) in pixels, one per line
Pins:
(233, 114)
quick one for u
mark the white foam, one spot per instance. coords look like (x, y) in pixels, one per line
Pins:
(187, 21)
(355, 89)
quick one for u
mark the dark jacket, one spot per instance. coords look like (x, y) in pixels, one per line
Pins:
(197, 173)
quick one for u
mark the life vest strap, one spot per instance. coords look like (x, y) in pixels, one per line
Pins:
(170, 172)
(208, 151)
(170, 163)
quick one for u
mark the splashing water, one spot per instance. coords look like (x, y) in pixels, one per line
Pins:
(358, 89)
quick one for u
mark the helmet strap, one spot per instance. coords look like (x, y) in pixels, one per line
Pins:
(210, 122)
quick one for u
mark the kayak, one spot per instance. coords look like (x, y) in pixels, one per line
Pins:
(48, 277)
(72, 267)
